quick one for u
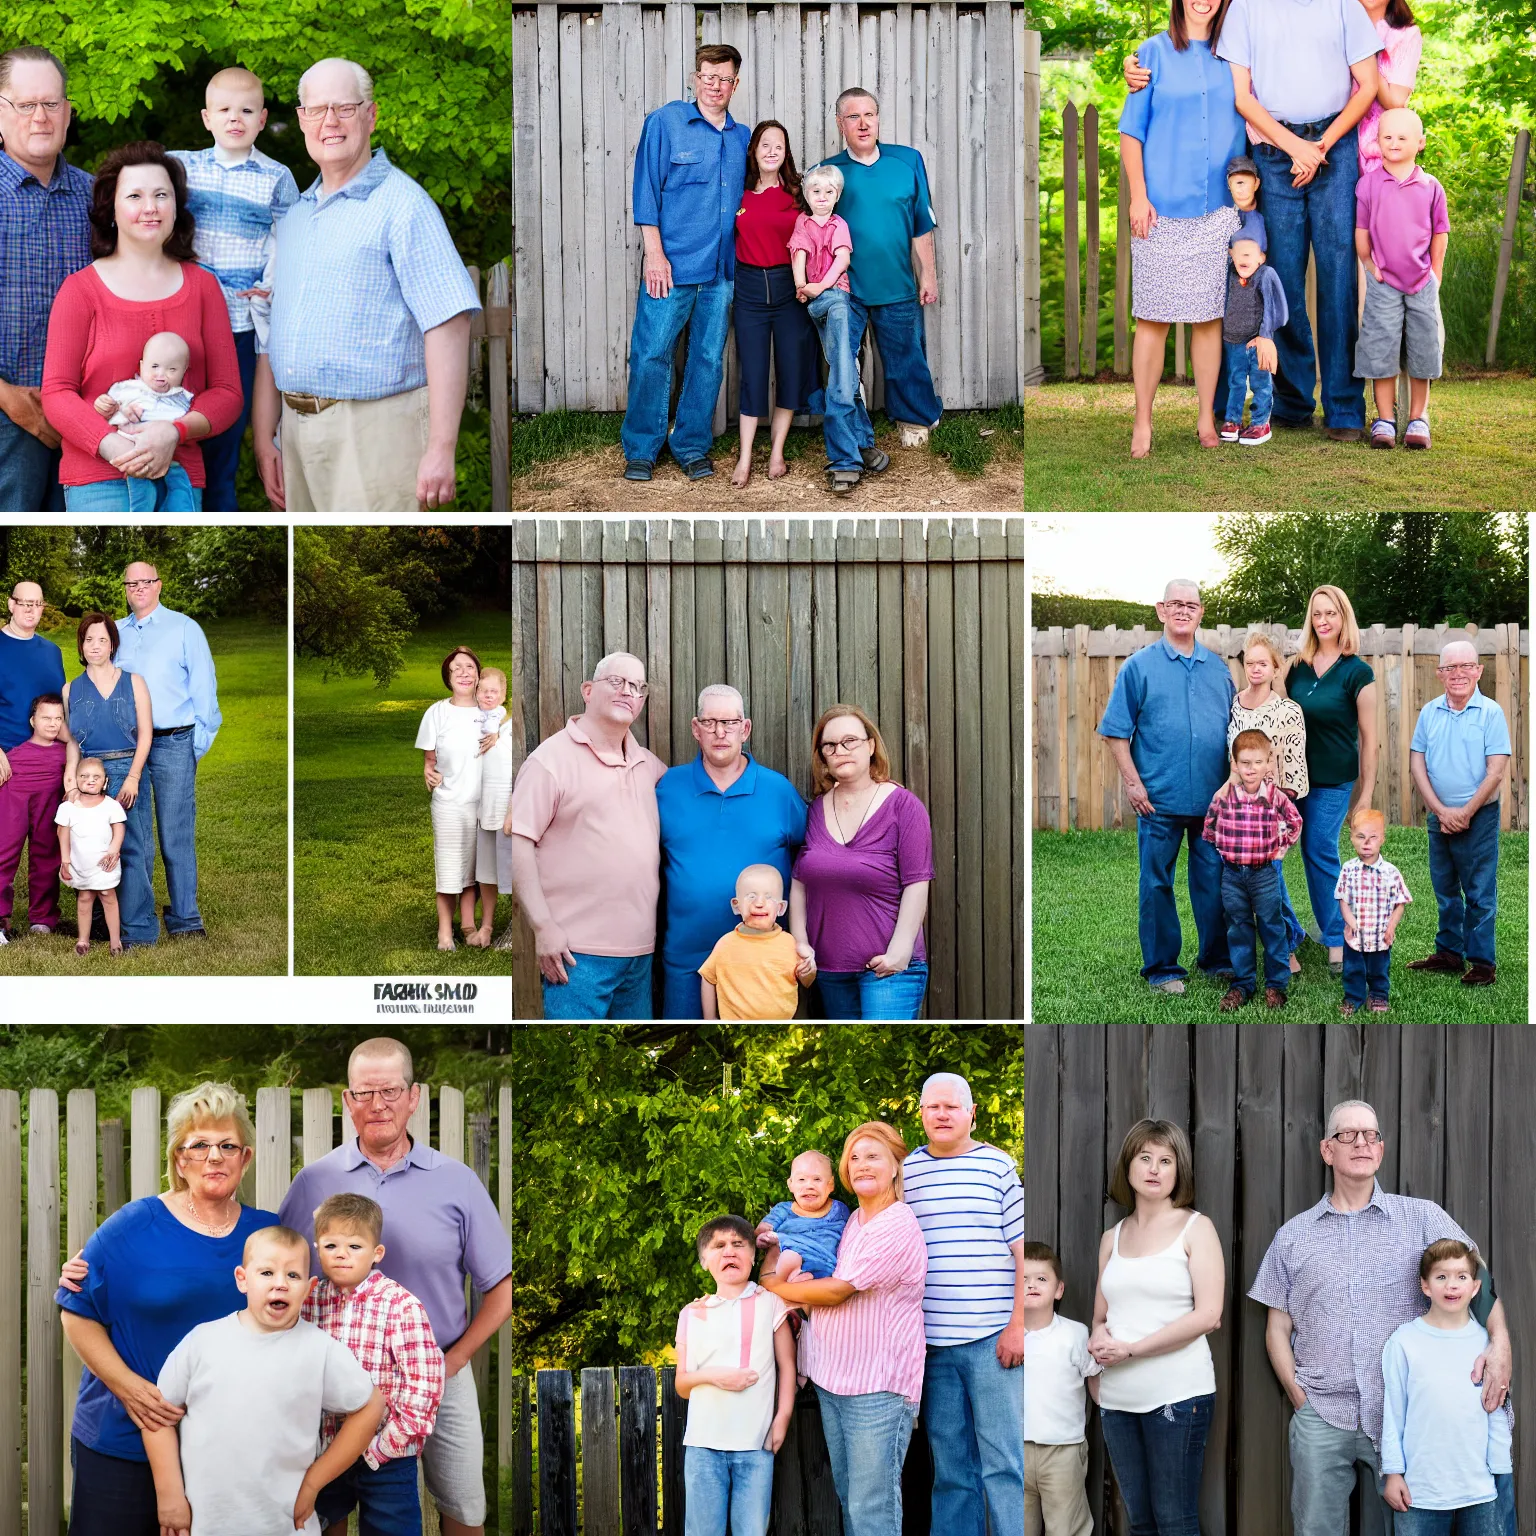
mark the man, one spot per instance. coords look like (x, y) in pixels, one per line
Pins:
(690, 173)
(30, 664)
(369, 346)
(440, 1227)
(586, 851)
(1166, 725)
(1338, 1280)
(1459, 756)
(968, 1200)
(45, 234)
(719, 814)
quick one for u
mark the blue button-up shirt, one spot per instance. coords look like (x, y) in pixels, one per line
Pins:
(1298, 52)
(170, 652)
(689, 180)
(1457, 744)
(361, 274)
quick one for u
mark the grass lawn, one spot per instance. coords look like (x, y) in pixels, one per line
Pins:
(1087, 958)
(362, 829)
(242, 832)
(1077, 456)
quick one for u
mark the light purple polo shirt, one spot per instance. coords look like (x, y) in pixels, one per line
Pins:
(1403, 217)
(439, 1225)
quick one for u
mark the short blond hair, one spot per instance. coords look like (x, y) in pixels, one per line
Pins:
(1257, 638)
(1364, 818)
(890, 1141)
(1349, 641)
(209, 1103)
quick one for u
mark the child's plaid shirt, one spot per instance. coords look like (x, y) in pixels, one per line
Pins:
(386, 1327)
(1371, 890)
(1252, 829)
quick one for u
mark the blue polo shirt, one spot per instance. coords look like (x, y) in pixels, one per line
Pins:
(1457, 744)
(1175, 710)
(886, 206)
(27, 668)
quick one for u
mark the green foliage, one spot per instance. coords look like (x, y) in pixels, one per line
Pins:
(1051, 608)
(353, 621)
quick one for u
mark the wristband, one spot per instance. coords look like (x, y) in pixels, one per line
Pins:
(181, 430)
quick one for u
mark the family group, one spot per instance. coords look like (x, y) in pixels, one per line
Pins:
(229, 1387)
(731, 227)
(914, 1303)
(160, 306)
(1384, 1332)
(1302, 745)
(92, 768)
(1255, 130)
(602, 829)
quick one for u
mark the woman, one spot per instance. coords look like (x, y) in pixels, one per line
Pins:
(860, 887)
(864, 1346)
(1397, 67)
(1161, 1280)
(1176, 138)
(143, 281)
(766, 312)
(153, 1271)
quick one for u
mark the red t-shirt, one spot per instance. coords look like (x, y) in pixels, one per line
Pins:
(95, 339)
(764, 224)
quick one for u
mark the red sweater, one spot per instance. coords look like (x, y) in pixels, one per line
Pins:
(764, 224)
(96, 339)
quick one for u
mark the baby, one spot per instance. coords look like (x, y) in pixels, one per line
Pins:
(90, 845)
(750, 973)
(1255, 310)
(811, 1225)
(495, 797)
(155, 395)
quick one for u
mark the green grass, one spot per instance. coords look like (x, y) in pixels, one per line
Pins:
(242, 831)
(362, 829)
(1087, 959)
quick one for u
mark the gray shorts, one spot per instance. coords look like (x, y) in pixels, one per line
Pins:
(451, 1459)
(1394, 322)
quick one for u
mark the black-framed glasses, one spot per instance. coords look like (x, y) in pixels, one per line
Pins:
(138, 586)
(199, 1151)
(366, 1095)
(829, 749)
(25, 602)
(1349, 1138)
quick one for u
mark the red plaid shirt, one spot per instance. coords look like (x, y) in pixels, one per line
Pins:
(1252, 829)
(1371, 890)
(387, 1329)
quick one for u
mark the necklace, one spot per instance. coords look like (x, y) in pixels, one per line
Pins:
(211, 1230)
(839, 820)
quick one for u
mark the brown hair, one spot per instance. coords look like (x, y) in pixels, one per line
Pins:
(1161, 1133)
(30, 55)
(85, 624)
(1179, 31)
(1043, 1253)
(737, 1224)
(459, 650)
(717, 53)
(879, 763)
(888, 1137)
(352, 1213)
(1252, 741)
(178, 245)
(1446, 1248)
(789, 177)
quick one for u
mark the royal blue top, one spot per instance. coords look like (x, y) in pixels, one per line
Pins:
(814, 1238)
(27, 668)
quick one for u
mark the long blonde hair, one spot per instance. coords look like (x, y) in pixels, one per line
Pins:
(1349, 641)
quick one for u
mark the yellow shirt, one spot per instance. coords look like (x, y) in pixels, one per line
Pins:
(753, 974)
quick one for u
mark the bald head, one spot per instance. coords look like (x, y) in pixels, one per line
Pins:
(26, 608)
(1401, 120)
(1458, 651)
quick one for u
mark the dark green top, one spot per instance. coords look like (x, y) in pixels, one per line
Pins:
(1333, 726)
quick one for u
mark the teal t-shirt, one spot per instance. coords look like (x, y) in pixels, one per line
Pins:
(886, 206)
(1333, 724)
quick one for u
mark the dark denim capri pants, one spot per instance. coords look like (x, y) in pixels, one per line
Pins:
(1392, 317)
(766, 308)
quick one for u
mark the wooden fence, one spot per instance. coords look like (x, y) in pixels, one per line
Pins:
(98, 1151)
(489, 333)
(1078, 786)
(1454, 1106)
(922, 626)
(1033, 372)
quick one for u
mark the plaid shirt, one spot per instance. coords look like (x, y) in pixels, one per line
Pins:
(387, 1329)
(1252, 829)
(1371, 890)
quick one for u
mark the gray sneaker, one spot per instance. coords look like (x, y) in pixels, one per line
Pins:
(40, 928)
(1173, 986)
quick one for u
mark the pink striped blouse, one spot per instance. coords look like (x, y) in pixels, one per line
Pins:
(874, 1341)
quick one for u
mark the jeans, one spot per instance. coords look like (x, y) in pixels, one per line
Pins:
(1294, 932)
(909, 392)
(136, 889)
(705, 308)
(171, 774)
(113, 1496)
(1250, 896)
(863, 995)
(1322, 817)
(29, 471)
(974, 1412)
(1243, 371)
(221, 452)
(1323, 1462)
(602, 987)
(1505, 1483)
(386, 1501)
(680, 995)
(1158, 1457)
(867, 1436)
(1367, 975)
(1464, 870)
(1158, 838)
(727, 1485)
(171, 495)
(845, 426)
(1322, 215)
(1472, 1520)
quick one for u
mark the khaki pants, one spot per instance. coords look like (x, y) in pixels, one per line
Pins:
(356, 455)
(1055, 1502)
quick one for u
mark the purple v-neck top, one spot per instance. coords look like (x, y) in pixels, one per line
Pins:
(853, 891)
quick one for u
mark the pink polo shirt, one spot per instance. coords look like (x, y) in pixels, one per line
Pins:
(821, 243)
(593, 817)
(1403, 217)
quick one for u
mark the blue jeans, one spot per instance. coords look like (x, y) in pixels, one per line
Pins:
(1473, 1520)
(29, 471)
(1505, 1483)
(680, 991)
(602, 987)
(171, 774)
(1243, 372)
(1367, 975)
(867, 1437)
(136, 890)
(175, 493)
(221, 453)
(721, 1486)
(1322, 215)
(843, 430)
(1294, 932)
(1158, 838)
(113, 1496)
(705, 308)
(1157, 1458)
(909, 392)
(1464, 870)
(1250, 896)
(974, 1413)
(1322, 817)
(1323, 1474)
(863, 995)
(386, 1501)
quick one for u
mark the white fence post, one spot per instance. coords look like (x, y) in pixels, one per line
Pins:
(144, 1147)
(10, 1312)
(274, 1146)
(318, 1108)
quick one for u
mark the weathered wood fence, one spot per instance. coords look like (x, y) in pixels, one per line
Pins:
(1454, 1106)
(1033, 372)
(489, 332)
(1078, 786)
(923, 626)
(1512, 198)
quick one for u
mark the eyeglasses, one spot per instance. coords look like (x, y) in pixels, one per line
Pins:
(342, 109)
(29, 108)
(199, 1151)
(1349, 1138)
(365, 1096)
(625, 685)
(1461, 669)
(1182, 607)
(720, 727)
(847, 744)
(17, 602)
(725, 82)
(138, 586)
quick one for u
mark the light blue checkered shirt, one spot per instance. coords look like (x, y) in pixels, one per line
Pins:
(361, 274)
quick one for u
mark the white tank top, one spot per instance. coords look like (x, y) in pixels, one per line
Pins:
(1144, 1295)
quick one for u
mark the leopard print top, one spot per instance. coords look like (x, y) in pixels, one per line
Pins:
(1282, 721)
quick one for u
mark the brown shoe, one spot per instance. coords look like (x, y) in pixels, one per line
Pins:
(1441, 960)
(1236, 998)
(1345, 434)
(1346, 1009)
(1479, 976)
(1274, 997)
(1378, 1005)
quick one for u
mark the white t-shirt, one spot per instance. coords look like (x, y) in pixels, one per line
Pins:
(252, 1426)
(170, 406)
(496, 780)
(454, 734)
(90, 836)
(718, 1333)
(1056, 1364)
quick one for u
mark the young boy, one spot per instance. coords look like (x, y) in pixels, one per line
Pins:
(255, 1385)
(811, 1224)
(386, 1328)
(1401, 232)
(29, 800)
(1058, 1375)
(736, 1368)
(154, 395)
(1255, 310)
(1252, 824)
(750, 973)
(91, 830)
(1371, 894)
(1439, 1447)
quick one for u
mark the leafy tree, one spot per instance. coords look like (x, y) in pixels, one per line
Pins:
(230, 570)
(347, 617)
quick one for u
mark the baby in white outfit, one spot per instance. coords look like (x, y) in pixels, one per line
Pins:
(493, 861)
(90, 844)
(156, 394)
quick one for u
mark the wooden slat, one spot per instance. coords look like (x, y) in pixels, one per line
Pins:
(637, 1449)
(144, 1148)
(888, 635)
(274, 1146)
(997, 334)
(551, 224)
(658, 624)
(740, 639)
(319, 1132)
(450, 1122)
(767, 615)
(80, 1167)
(801, 716)
(1018, 669)
(596, 229)
(946, 94)
(971, 841)
(599, 1451)
(613, 272)
(522, 1460)
(1514, 1247)
(557, 1454)
(45, 1440)
(674, 1416)
(10, 1311)
(111, 1167)
(576, 250)
(527, 220)
(420, 1123)
(824, 610)
(996, 791)
(709, 610)
(943, 766)
(684, 679)
(1042, 1120)
(498, 296)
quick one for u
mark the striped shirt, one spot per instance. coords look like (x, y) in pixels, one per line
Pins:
(970, 1207)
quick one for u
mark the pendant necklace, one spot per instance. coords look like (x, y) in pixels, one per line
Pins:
(839, 820)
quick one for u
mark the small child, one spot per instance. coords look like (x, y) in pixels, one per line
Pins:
(90, 845)
(750, 973)
(736, 1368)
(1371, 894)
(1059, 1373)
(1439, 1447)
(1252, 824)
(1255, 310)
(156, 394)
(255, 1385)
(492, 850)
(386, 1328)
(1401, 234)
(811, 1224)
(29, 800)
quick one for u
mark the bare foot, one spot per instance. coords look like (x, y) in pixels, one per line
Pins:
(743, 473)
(445, 940)
(1206, 429)
(116, 949)
(777, 468)
(1141, 440)
(82, 946)
(1295, 966)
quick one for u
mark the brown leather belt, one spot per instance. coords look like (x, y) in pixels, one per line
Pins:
(308, 405)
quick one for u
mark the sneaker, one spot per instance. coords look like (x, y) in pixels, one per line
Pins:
(1345, 434)
(1383, 433)
(1417, 433)
(699, 469)
(1230, 431)
(637, 469)
(1252, 436)
(41, 929)
(874, 460)
(5, 938)
(1378, 1005)
(1274, 997)
(1172, 987)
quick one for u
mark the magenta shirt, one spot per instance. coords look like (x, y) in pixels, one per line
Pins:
(853, 891)
(1403, 217)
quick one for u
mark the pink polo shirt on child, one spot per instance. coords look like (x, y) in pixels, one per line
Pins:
(821, 242)
(1402, 217)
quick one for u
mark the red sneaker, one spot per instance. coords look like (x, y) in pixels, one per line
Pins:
(1231, 431)
(1252, 436)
